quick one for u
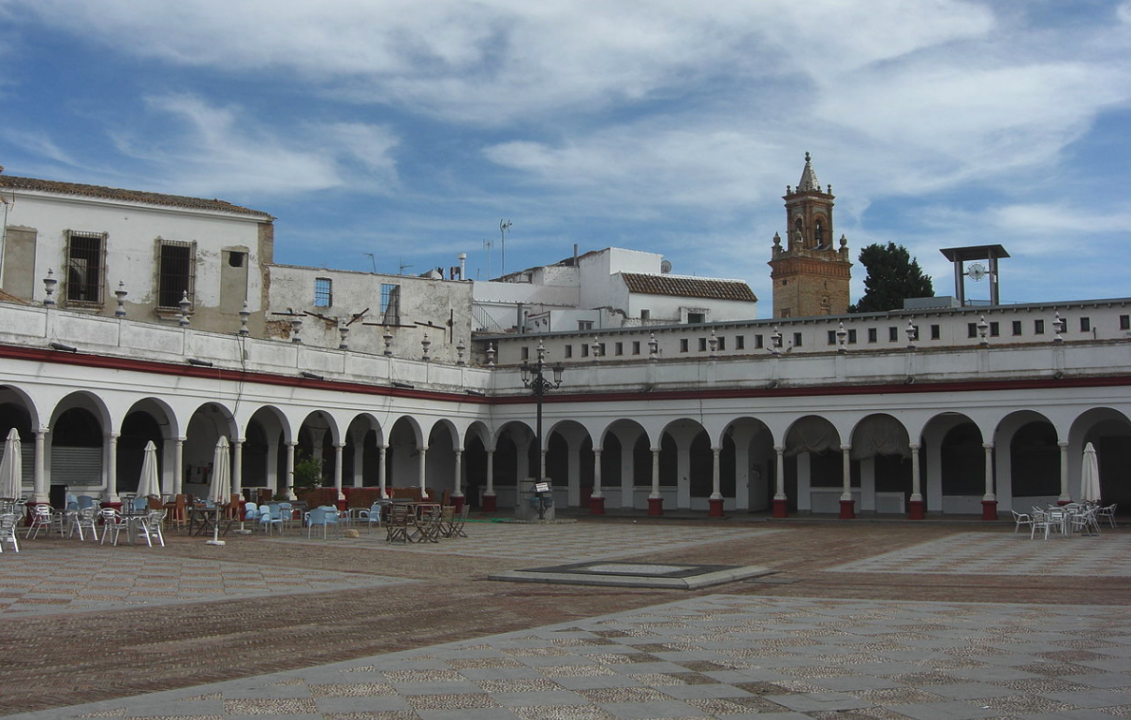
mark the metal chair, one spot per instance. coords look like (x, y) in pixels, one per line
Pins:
(42, 518)
(112, 525)
(1107, 513)
(149, 527)
(8, 522)
(86, 518)
(1020, 519)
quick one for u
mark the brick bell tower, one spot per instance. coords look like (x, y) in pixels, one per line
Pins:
(810, 275)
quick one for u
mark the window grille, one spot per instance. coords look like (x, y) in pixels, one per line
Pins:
(391, 303)
(176, 276)
(323, 292)
(86, 257)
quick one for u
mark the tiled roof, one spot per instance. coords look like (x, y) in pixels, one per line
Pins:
(688, 287)
(150, 198)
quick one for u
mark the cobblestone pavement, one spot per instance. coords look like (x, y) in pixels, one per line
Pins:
(862, 620)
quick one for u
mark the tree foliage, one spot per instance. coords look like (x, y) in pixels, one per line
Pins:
(893, 275)
(308, 472)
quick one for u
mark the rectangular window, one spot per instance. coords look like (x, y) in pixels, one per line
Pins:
(584, 325)
(872, 335)
(852, 336)
(796, 339)
(722, 343)
(86, 254)
(995, 329)
(585, 350)
(893, 334)
(645, 314)
(683, 345)
(635, 347)
(739, 342)
(175, 263)
(832, 337)
(971, 330)
(702, 344)
(525, 353)
(569, 351)
(323, 292)
(619, 348)
(936, 332)
(391, 304)
(758, 342)
(1125, 322)
(1038, 327)
(694, 318)
(1085, 324)
(1016, 327)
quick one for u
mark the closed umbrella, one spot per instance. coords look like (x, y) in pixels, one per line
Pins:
(11, 468)
(221, 486)
(148, 484)
(1090, 476)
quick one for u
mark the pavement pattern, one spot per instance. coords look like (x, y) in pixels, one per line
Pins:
(861, 621)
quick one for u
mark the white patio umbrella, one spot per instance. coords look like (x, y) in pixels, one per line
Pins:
(221, 486)
(1090, 476)
(11, 468)
(148, 484)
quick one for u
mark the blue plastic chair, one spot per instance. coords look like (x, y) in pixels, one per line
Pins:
(372, 516)
(324, 516)
(269, 517)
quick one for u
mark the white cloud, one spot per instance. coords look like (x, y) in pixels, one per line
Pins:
(222, 149)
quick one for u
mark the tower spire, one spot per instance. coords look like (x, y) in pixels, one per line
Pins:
(808, 180)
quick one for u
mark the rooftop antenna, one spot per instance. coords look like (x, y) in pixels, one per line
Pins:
(402, 265)
(504, 225)
(373, 262)
(487, 245)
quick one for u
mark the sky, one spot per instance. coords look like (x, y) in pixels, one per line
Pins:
(392, 135)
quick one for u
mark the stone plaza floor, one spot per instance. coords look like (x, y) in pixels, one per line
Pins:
(859, 620)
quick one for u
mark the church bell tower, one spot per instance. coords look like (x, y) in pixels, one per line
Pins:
(810, 274)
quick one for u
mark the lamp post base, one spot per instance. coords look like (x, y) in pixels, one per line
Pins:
(716, 508)
(489, 503)
(989, 509)
(847, 509)
(655, 506)
(596, 506)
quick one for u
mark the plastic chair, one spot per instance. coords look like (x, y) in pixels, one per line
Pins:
(8, 523)
(324, 516)
(371, 517)
(86, 501)
(286, 515)
(269, 518)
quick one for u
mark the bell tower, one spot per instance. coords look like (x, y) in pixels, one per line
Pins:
(810, 274)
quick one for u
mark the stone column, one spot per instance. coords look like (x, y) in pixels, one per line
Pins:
(989, 500)
(457, 495)
(489, 501)
(716, 500)
(338, 455)
(39, 492)
(781, 506)
(1065, 496)
(111, 466)
(289, 480)
(596, 499)
(381, 450)
(422, 470)
(178, 465)
(918, 509)
(237, 466)
(655, 500)
(272, 468)
(847, 505)
(358, 463)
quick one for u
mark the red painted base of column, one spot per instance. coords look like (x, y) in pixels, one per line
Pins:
(489, 503)
(847, 509)
(458, 502)
(342, 504)
(781, 509)
(1063, 502)
(655, 506)
(596, 506)
(917, 510)
(716, 508)
(989, 509)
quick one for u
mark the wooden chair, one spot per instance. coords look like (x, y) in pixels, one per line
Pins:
(177, 515)
(400, 523)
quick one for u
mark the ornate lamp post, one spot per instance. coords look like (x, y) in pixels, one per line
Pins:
(534, 378)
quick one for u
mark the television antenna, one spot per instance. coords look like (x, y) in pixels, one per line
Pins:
(504, 225)
(373, 262)
(401, 264)
(487, 245)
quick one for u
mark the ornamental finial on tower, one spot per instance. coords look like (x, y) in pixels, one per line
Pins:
(809, 182)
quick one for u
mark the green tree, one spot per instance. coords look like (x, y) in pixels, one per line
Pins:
(893, 276)
(308, 472)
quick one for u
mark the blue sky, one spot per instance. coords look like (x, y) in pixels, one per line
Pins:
(409, 129)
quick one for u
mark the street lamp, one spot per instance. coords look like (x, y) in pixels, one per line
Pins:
(534, 378)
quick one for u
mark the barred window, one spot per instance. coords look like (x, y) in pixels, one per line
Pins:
(175, 263)
(323, 292)
(391, 303)
(86, 255)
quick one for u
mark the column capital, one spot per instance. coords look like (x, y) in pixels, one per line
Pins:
(988, 446)
(1063, 444)
(846, 446)
(914, 446)
(339, 445)
(779, 449)
(292, 443)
